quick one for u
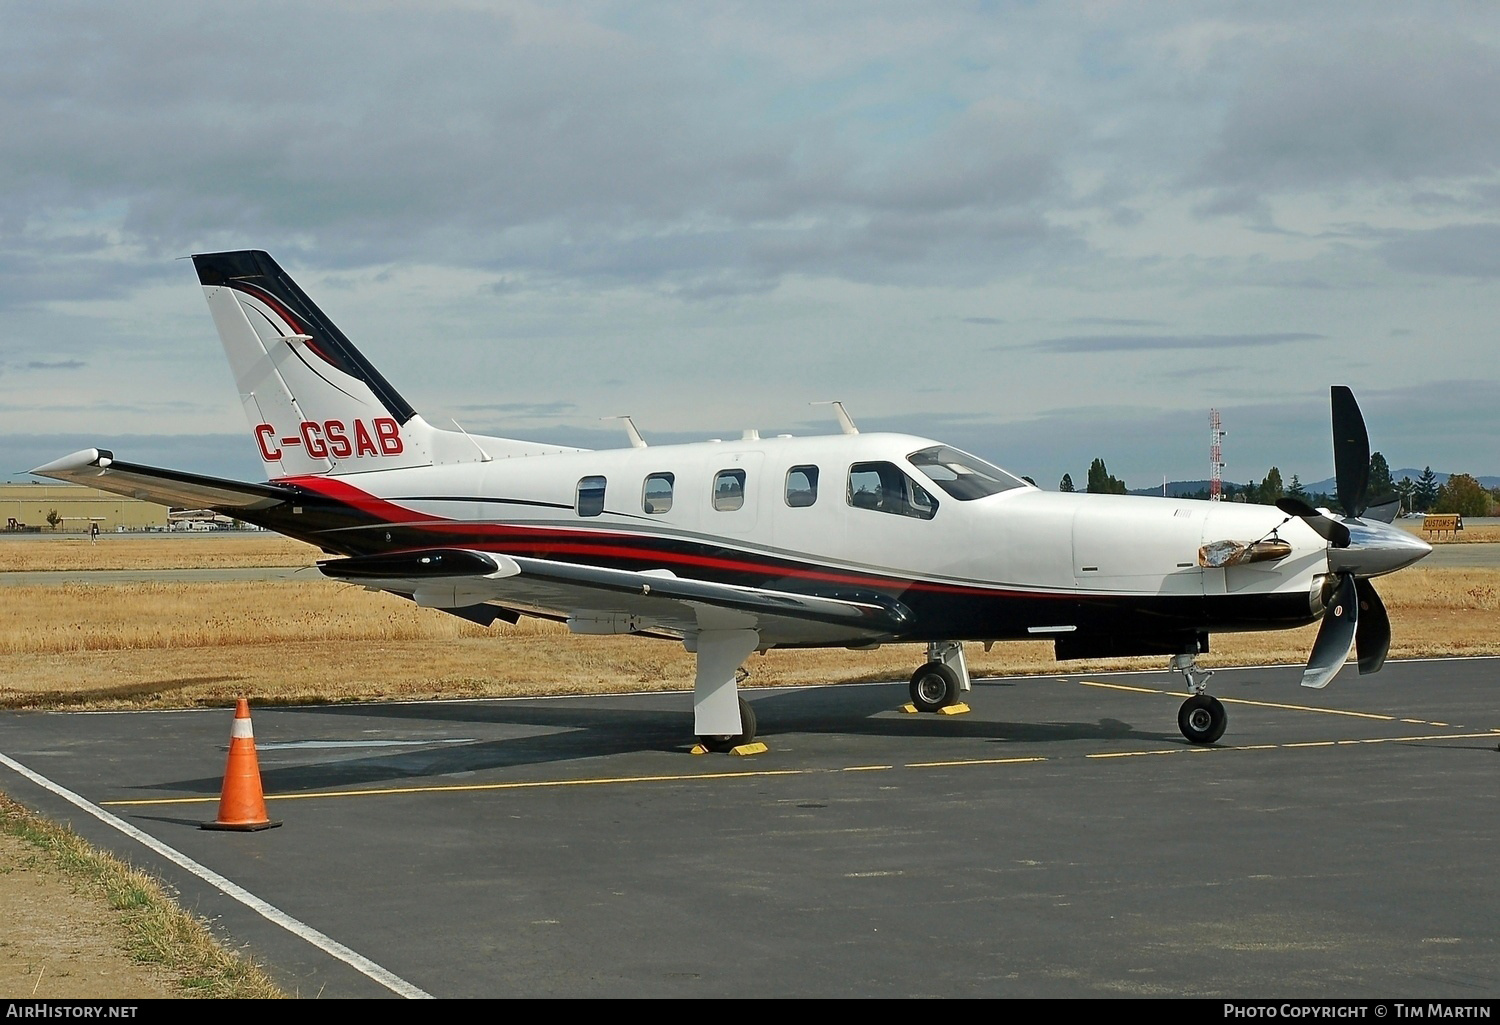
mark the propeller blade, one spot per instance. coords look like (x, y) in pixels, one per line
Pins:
(1335, 636)
(1296, 507)
(1372, 639)
(1330, 529)
(1351, 451)
(1383, 508)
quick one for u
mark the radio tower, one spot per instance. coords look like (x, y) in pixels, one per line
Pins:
(1216, 434)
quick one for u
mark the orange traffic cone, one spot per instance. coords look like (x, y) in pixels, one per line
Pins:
(242, 805)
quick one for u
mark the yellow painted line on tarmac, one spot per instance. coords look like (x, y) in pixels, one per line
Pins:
(1309, 708)
(1270, 704)
(457, 788)
(474, 787)
(974, 761)
(1435, 736)
(1121, 686)
(1202, 749)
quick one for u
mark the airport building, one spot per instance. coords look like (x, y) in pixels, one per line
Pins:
(28, 506)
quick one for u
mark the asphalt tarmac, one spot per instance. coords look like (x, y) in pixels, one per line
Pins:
(1060, 840)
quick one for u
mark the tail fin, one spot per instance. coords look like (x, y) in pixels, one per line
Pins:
(315, 404)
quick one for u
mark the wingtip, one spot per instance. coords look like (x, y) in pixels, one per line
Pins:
(83, 459)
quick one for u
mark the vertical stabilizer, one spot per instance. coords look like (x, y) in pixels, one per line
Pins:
(315, 404)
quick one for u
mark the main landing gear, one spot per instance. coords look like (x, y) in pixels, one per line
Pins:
(1202, 717)
(942, 680)
(722, 720)
(722, 742)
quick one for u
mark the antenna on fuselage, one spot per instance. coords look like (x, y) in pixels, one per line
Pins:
(846, 425)
(486, 458)
(636, 441)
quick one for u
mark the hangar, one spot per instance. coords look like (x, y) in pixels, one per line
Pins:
(27, 507)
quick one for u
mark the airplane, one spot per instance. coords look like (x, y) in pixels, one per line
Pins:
(731, 547)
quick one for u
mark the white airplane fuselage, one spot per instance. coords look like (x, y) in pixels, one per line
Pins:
(1019, 564)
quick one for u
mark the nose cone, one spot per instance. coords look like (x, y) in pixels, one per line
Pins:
(1376, 548)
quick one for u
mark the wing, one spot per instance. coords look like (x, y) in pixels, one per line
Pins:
(597, 599)
(98, 468)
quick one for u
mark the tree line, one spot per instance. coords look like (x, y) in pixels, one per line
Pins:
(1461, 493)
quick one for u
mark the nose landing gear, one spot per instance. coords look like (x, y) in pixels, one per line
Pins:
(1201, 718)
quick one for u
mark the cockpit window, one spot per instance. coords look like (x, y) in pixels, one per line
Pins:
(884, 488)
(961, 475)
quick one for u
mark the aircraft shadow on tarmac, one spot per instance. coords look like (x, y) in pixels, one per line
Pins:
(587, 731)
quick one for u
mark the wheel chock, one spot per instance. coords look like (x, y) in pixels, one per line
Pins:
(698, 749)
(753, 748)
(958, 709)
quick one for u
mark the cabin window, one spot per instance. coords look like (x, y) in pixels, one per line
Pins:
(884, 488)
(590, 501)
(963, 476)
(656, 497)
(801, 486)
(729, 490)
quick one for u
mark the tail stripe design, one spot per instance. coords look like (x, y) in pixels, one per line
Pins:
(257, 275)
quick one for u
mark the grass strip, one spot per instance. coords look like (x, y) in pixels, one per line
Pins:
(158, 933)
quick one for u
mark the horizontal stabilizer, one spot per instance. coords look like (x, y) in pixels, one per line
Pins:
(98, 468)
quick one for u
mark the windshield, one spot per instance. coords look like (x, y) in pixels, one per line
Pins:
(961, 475)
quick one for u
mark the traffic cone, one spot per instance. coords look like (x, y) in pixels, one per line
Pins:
(242, 805)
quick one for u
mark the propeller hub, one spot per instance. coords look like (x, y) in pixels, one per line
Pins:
(1376, 548)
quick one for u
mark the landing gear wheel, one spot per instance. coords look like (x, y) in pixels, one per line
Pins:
(934, 686)
(725, 743)
(1202, 719)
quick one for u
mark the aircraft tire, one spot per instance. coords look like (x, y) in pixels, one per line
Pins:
(1202, 719)
(934, 686)
(726, 743)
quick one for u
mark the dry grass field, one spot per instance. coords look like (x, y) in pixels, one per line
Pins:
(227, 550)
(175, 644)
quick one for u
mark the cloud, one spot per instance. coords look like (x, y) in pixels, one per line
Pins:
(1465, 250)
(521, 138)
(1116, 322)
(525, 410)
(62, 364)
(1134, 343)
(705, 211)
(1396, 100)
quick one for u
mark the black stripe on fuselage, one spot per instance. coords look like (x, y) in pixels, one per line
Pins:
(941, 610)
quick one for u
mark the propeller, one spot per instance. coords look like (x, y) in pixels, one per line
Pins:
(1351, 452)
(1359, 547)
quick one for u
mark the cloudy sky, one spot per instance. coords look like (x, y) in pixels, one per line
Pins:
(1042, 232)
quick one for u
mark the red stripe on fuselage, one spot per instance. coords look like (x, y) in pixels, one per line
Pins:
(540, 542)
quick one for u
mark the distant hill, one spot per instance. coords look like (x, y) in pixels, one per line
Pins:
(1186, 488)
